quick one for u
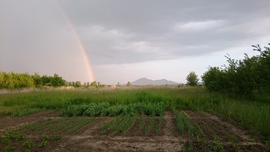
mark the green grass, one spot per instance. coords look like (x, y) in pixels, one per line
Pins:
(253, 113)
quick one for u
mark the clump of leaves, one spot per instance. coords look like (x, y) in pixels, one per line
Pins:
(44, 141)
(28, 144)
(57, 137)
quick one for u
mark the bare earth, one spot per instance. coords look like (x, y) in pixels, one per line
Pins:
(91, 138)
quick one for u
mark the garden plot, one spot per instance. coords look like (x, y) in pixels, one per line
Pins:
(173, 131)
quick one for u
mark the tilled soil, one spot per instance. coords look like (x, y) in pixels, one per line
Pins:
(210, 134)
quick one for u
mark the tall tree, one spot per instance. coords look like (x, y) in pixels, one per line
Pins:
(192, 79)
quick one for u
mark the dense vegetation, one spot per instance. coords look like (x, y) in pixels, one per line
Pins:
(241, 77)
(252, 113)
(11, 80)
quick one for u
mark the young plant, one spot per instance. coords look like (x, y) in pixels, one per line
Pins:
(111, 123)
(57, 137)
(199, 132)
(44, 141)
(189, 126)
(126, 127)
(179, 121)
(217, 146)
(28, 144)
(116, 127)
(141, 124)
(187, 146)
(158, 129)
(151, 123)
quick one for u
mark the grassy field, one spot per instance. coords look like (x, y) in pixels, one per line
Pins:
(130, 103)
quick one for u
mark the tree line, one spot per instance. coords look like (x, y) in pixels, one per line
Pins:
(241, 77)
(11, 80)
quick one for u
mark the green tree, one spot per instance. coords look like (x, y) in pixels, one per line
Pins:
(94, 83)
(241, 77)
(192, 79)
(37, 80)
(214, 79)
(77, 84)
(57, 81)
(1, 79)
(128, 84)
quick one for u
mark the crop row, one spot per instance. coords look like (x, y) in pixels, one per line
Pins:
(15, 141)
(133, 125)
(59, 126)
(205, 134)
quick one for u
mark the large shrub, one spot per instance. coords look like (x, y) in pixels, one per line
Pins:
(241, 77)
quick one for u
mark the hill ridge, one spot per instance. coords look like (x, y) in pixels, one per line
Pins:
(146, 81)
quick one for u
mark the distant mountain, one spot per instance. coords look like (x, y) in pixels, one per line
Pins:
(145, 81)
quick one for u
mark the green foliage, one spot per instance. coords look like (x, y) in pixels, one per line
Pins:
(252, 113)
(159, 125)
(192, 79)
(55, 80)
(57, 137)
(263, 69)
(105, 109)
(179, 121)
(37, 80)
(150, 124)
(28, 144)
(95, 109)
(214, 79)
(241, 77)
(108, 125)
(11, 80)
(128, 124)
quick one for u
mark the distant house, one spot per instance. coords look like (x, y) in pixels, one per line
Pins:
(112, 86)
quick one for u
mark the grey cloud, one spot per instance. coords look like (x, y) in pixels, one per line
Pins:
(121, 31)
(200, 23)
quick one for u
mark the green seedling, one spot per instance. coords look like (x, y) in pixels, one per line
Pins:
(43, 143)
(9, 149)
(151, 124)
(20, 137)
(187, 146)
(28, 144)
(57, 137)
(141, 124)
(158, 129)
(129, 124)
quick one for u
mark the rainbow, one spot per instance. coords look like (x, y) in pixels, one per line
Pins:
(82, 48)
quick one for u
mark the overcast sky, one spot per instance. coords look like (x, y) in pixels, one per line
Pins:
(128, 39)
